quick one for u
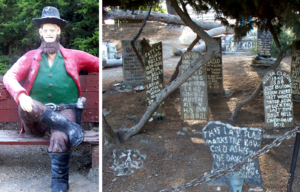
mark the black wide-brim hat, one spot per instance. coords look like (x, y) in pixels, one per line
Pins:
(49, 15)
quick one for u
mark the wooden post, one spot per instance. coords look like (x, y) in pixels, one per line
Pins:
(95, 155)
(294, 163)
(295, 65)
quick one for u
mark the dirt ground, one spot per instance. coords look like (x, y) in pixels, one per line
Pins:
(173, 158)
(28, 168)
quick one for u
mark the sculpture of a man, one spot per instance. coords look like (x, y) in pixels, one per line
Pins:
(47, 98)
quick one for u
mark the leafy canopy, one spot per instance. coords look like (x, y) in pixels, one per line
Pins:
(18, 35)
(265, 14)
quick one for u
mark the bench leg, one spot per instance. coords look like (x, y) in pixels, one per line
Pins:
(95, 155)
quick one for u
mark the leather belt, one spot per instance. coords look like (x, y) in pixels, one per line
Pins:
(60, 107)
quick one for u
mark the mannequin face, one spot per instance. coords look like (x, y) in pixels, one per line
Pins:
(49, 32)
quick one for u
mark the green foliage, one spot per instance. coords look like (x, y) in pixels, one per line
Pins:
(89, 45)
(286, 39)
(264, 14)
(18, 35)
(156, 7)
(4, 60)
(85, 32)
(130, 4)
(254, 48)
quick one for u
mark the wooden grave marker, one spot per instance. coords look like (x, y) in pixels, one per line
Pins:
(133, 72)
(230, 145)
(278, 105)
(193, 92)
(215, 72)
(264, 41)
(153, 60)
(295, 68)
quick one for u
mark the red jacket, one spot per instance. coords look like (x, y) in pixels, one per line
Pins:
(27, 67)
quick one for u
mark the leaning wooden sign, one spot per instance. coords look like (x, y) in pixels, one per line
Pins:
(153, 61)
(193, 92)
(295, 68)
(230, 145)
(278, 99)
(133, 72)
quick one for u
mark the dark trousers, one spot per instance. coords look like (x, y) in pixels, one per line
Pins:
(59, 141)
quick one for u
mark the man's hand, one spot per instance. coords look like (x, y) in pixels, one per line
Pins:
(25, 102)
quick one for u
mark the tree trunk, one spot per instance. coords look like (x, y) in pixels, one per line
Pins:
(213, 49)
(179, 52)
(202, 46)
(176, 72)
(108, 133)
(240, 104)
(170, 9)
(155, 16)
(112, 62)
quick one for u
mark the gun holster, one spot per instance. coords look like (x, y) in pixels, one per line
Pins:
(79, 109)
(78, 114)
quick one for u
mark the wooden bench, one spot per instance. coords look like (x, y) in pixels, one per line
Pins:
(9, 113)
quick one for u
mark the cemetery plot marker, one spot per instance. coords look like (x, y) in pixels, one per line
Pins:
(295, 69)
(230, 145)
(193, 92)
(154, 73)
(133, 72)
(264, 41)
(215, 73)
(278, 99)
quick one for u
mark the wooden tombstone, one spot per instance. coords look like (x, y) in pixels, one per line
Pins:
(278, 103)
(133, 72)
(153, 60)
(295, 68)
(193, 92)
(215, 73)
(264, 41)
(230, 145)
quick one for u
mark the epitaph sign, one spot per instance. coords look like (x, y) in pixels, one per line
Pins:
(230, 145)
(215, 73)
(193, 92)
(133, 72)
(264, 41)
(278, 99)
(154, 73)
(295, 69)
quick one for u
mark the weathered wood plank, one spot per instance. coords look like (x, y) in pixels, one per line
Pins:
(90, 116)
(13, 116)
(10, 137)
(89, 83)
(9, 116)
(90, 90)
(92, 101)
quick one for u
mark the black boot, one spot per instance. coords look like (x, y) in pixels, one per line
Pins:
(59, 171)
(59, 122)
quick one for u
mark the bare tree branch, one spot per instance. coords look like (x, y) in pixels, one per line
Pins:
(176, 72)
(241, 104)
(156, 16)
(212, 45)
(137, 36)
(213, 50)
(108, 132)
(184, 7)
